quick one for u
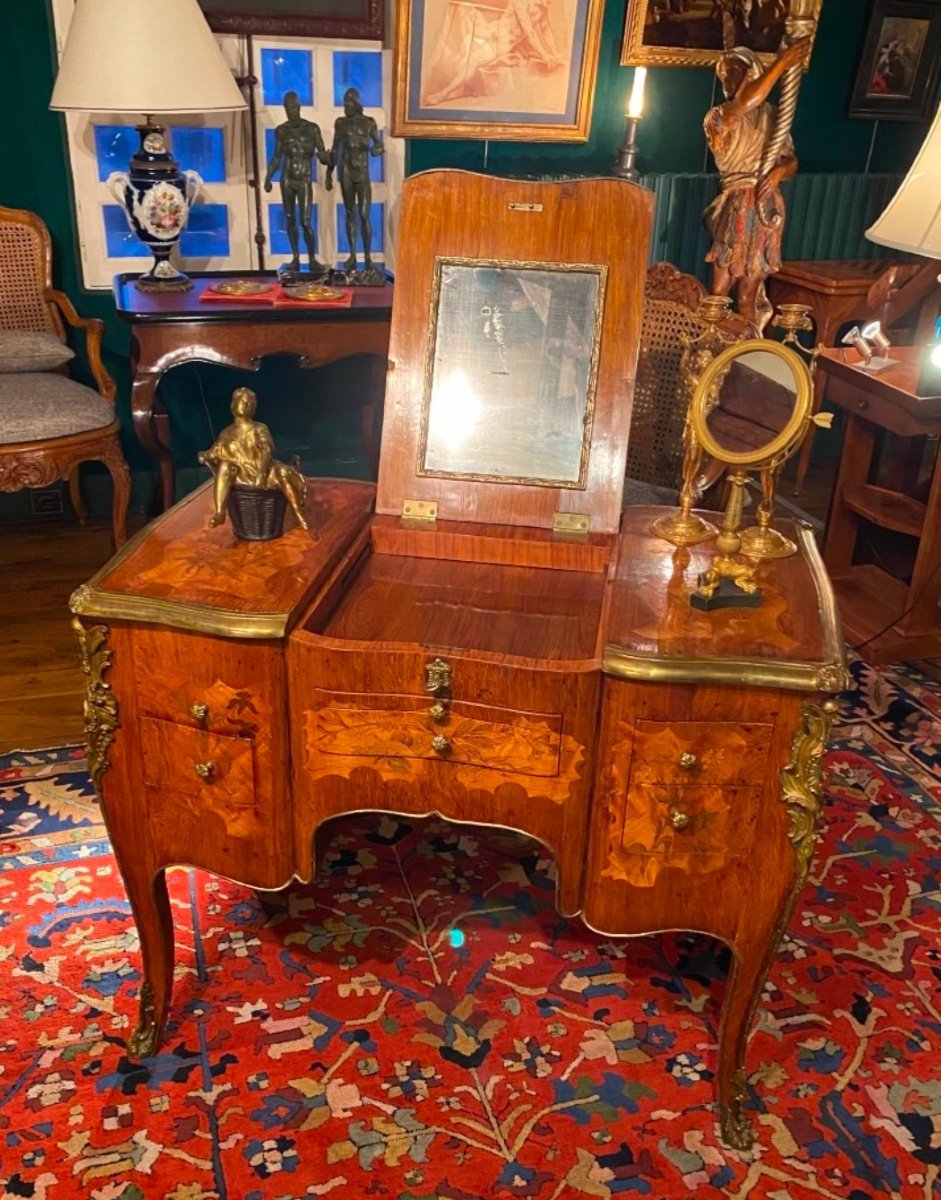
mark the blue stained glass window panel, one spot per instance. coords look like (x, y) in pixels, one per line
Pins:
(120, 242)
(376, 212)
(278, 234)
(377, 170)
(361, 69)
(287, 71)
(207, 232)
(114, 146)
(201, 150)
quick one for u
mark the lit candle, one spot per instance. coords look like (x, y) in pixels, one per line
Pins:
(635, 106)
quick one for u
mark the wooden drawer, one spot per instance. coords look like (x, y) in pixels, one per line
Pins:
(396, 726)
(216, 769)
(685, 753)
(662, 819)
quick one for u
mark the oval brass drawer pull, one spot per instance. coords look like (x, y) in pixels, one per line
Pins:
(205, 770)
(678, 818)
(688, 761)
(440, 744)
(438, 712)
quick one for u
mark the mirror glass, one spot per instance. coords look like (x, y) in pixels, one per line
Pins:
(510, 388)
(754, 402)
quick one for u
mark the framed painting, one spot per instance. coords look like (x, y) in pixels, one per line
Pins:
(692, 33)
(898, 66)
(510, 70)
(297, 18)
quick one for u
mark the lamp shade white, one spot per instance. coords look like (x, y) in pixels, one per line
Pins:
(143, 56)
(912, 219)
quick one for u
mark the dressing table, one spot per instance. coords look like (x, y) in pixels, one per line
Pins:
(481, 636)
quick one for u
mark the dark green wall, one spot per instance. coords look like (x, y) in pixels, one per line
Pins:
(34, 175)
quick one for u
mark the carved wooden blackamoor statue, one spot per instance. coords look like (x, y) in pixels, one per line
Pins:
(483, 634)
(746, 220)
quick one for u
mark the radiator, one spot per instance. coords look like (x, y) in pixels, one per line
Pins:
(827, 216)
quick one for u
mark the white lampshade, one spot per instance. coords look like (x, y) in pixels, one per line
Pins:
(143, 56)
(912, 220)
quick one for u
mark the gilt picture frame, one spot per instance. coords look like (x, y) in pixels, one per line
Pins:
(898, 67)
(504, 70)
(512, 371)
(361, 19)
(689, 33)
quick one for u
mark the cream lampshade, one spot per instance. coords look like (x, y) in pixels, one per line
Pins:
(912, 220)
(147, 57)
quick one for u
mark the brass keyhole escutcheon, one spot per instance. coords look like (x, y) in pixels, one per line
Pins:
(438, 712)
(438, 677)
(678, 818)
(689, 762)
(440, 744)
(205, 770)
(200, 713)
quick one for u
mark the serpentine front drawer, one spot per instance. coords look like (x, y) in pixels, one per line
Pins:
(396, 726)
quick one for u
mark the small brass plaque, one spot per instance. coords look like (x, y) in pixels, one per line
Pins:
(420, 510)
(570, 522)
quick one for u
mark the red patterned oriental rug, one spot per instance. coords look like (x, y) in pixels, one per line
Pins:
(419, 1024)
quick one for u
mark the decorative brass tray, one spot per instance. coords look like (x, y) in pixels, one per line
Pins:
(242, 287)
(312, 291)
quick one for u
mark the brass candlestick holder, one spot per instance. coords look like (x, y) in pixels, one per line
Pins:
(684, 527)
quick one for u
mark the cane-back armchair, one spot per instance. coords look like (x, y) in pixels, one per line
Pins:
(661, 395)
(49, 423)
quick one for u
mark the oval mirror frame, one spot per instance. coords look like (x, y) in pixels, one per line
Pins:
(783, 442)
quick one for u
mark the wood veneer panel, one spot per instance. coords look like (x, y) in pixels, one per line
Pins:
(651, 613)
(183, 560)
(542, 615)
(456, 214)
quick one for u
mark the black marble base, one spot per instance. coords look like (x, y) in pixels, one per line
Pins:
(727, 595)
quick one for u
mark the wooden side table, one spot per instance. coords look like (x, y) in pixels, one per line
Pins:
(835, 291)
(885, 618)
(174, 327)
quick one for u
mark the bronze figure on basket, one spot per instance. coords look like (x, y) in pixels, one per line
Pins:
(249, 481)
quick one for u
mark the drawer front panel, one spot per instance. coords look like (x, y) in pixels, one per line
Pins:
(700, 753)
(374, 726)
(696, 820)
(216, 768)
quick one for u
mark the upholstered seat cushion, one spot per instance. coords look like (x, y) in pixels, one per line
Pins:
(39, 405)
(24, 350)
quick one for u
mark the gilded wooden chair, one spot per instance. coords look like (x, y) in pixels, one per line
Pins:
(49, 423)
(661, 397)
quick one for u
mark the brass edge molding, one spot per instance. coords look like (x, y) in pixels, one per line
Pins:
(753, 672)
(143, 1041)
(100, 706)
(802, 785)
(834, 675)
(87, 601)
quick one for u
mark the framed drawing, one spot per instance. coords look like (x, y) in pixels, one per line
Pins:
(510, 70)
(515, 353)
(898, 66)
(689, 33)
(297, 18)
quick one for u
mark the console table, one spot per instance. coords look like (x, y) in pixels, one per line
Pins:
(169, 328)
(835, 291)
(888, 619)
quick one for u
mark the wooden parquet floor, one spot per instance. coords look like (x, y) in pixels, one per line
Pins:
(42, 685)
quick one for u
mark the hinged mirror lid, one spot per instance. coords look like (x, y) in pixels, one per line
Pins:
(515, 331)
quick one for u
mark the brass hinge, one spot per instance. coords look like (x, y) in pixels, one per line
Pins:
(563, 522)
(420, 510)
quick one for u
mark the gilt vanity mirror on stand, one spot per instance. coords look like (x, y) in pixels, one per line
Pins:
(750, 410)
